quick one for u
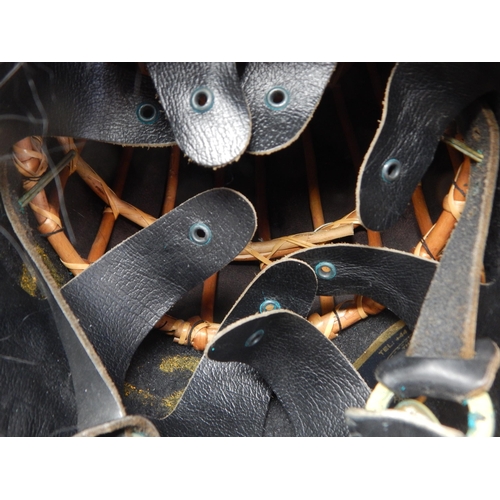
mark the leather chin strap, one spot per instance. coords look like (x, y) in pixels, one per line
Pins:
(420, 102)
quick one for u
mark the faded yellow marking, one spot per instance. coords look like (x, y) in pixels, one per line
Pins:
(393, 329)
(28, 282)
(171, 401)
(189, 363)
(146, 396)
(58, 278)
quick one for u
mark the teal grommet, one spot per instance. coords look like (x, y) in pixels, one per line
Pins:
(200, 233)
(277, 98)
(147, 113)
(202, 100)
(255, 338)
(325, 270)
(391, 170)
(269, 305)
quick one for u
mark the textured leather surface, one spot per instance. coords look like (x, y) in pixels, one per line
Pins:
(392, 423)
(421, 101)
(222, 399)
(231, 399)
(395, 279)
(121, 296)
(214, 136)
(312, 379)
(289, 284)
(450, 379)
(274, 129)
(86, 100)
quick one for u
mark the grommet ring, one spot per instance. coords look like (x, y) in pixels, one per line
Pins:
(202, 100)
(277, 98)
(391, 170)
(325, 270)
(269, 305)
(200, 233)
(147, 113)
(255, 338)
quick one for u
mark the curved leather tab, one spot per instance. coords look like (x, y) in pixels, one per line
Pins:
(312, 379)
(95, 101)
(232, 397)
(207, 109)
(450, 379)
(391, 423)
(395, 279)
(287, 284)
(119, 298)
(282, 98)
(420, 102)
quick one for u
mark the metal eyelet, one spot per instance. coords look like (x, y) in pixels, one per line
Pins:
(255, 338)
(325, 270)
(202, 100)
(391, 170)
(277, 98)
(200, 233)
(269, 305)
(147, 113)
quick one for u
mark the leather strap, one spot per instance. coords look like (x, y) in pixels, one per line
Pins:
(231, 399)
(311, 378)
(441, 361)
(421, 101)
(96, 399)
(395, 279)
(282, 98)
(121, 296)
(447, 329)
(287, 284)
(95, 101)
(207, 109)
